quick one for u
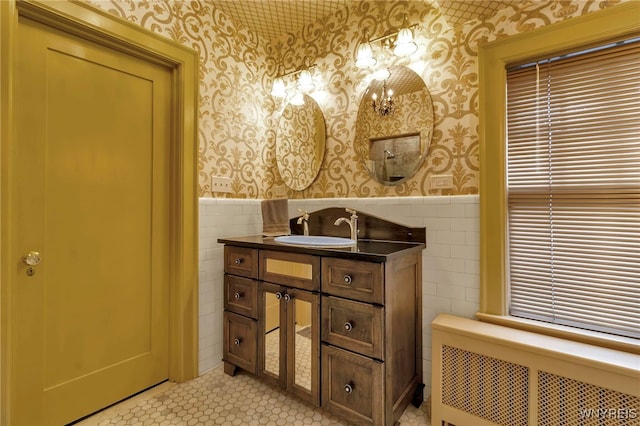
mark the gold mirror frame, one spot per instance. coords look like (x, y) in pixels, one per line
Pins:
(393, 147)
(300, 143)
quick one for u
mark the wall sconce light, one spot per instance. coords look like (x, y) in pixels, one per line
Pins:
(385, 106)
(364, 56)
(402, 42)
(304, 83)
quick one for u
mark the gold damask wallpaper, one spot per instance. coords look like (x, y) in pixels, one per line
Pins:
(239, 119)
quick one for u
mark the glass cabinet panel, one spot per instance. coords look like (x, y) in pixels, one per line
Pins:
(303, 318)
(302, 361)
(272, 330)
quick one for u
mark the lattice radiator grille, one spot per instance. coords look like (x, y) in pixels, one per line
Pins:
(488, 375)
(490, 388)
(563, 401)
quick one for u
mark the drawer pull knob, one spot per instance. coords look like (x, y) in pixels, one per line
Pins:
(237, 296)
(347, 279)
(236, 341)
(287, 297)
(348, 326)
(238, 260)
(348, 388)
(278, 295)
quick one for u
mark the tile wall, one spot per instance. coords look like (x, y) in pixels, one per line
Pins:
(451, 271)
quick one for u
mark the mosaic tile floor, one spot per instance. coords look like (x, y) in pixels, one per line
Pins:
(219, 399)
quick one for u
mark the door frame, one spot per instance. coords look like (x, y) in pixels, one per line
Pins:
(90, 23)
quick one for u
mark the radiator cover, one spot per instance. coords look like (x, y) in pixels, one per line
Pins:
(485, 374)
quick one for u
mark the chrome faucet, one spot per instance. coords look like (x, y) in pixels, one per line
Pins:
(352, 222)
(304, 220)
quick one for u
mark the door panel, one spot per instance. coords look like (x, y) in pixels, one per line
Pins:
(303, 326)
(272, 337)
(93, 142)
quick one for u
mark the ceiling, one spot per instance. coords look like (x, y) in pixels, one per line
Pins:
(270, 19)
(457, 12)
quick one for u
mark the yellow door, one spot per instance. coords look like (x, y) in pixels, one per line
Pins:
(92, 199)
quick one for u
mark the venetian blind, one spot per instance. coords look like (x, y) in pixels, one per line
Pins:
(573, 182)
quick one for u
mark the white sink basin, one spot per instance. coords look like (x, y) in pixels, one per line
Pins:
(315, 241)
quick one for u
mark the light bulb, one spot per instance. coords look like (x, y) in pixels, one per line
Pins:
(278, 90)
(305, 81)
(404, 43)
(364, 56)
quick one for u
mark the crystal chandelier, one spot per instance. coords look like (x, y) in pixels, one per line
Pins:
(385, 106)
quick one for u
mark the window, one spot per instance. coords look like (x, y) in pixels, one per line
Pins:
(573, 189)
(597, 195)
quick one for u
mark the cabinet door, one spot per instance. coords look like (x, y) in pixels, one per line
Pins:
(289, 339)
(303, 339)
(272, 336)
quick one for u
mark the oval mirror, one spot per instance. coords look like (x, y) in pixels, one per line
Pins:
(392, 138)
(300, 143)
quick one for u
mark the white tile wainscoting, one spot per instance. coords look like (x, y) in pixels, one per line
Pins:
(450, 272)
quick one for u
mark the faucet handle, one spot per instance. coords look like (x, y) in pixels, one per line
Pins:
(304, 213)
(350, 211)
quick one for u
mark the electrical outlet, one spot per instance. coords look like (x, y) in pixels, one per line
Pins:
(442, 182)
(220, 184)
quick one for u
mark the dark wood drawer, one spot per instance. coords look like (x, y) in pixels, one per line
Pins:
(241, 296)
(353, 279)
(352, 386)
(240, 341)
(353, 325)
(291, 269)
(241, 261)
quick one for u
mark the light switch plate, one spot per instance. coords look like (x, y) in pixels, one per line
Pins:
(220, 184)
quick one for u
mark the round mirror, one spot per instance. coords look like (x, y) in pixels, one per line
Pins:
(300, 142)
(394, 126)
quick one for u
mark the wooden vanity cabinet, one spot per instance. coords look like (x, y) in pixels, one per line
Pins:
(371, 337)
(341, 330)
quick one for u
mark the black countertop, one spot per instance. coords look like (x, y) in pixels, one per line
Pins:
(369, 250)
